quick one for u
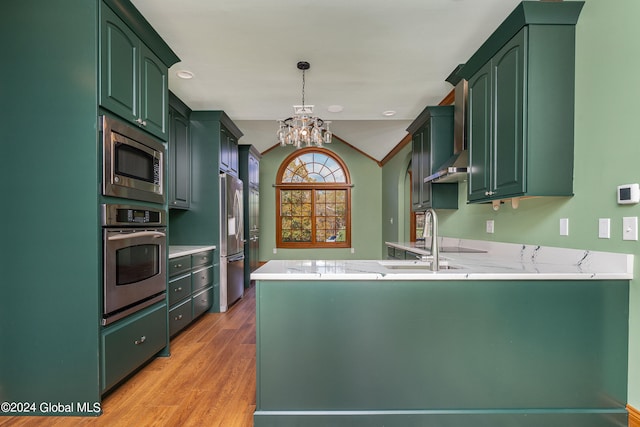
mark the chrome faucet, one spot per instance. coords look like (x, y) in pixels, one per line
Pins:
(433, 225)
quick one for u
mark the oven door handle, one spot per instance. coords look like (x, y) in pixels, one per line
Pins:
(136, 234)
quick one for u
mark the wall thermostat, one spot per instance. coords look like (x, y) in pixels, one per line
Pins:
(628, 193)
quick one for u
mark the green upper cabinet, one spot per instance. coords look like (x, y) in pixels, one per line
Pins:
(133, 79)
(432, 145)
(179, 154)
(228, 152)
(497, 152)
(521, 105)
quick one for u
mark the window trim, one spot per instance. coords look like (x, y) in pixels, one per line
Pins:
(312, 186)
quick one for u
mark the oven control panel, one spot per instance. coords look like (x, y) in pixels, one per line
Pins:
(127, 215)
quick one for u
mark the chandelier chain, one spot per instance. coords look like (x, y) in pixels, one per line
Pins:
(303, 89)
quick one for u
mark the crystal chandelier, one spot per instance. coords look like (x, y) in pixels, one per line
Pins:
(303, 127)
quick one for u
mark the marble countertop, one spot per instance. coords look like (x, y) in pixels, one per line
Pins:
(180, 250)
(499, 261)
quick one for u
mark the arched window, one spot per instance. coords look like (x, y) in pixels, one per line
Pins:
(313, 201)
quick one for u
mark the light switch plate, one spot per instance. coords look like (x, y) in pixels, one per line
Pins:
(564, 226)
(490, 226)
(604, 228)
(630, 228)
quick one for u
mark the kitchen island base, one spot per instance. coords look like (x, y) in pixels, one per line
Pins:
(441, 353)
(488, 418)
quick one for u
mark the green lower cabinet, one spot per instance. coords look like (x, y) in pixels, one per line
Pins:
(395, 253)
(130, 342)
(180, 316)
(191, 289)
(179, 289)
(202, 301)
(201, 278)
(433, 353)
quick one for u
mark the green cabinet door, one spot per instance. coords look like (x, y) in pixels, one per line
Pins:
(416, 171)
(225, 150)
(179, 161)
(509, 144)
(479, 134)
(233, 155)
(154, 91)
(425, 166)
(119, 68)
(229, 161)
(127, 344)
(496, 124)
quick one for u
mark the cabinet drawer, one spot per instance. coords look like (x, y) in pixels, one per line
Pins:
(127, 344)
(179, 288)
(179, 317)
(179, 265)
(202, 278)
(202, 301)
(202, 258)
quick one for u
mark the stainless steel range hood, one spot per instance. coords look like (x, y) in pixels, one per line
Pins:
(456, 168)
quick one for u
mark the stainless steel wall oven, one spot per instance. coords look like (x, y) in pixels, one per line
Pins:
(134, 240)
(132, 162)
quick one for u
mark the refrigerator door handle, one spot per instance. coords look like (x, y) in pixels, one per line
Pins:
(233, 258)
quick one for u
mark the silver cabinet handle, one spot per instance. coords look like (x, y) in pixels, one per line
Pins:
(141, 122)
(178, 289)
(178, 317)
(140, 341)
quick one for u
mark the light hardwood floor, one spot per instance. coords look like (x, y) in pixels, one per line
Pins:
(209, 380)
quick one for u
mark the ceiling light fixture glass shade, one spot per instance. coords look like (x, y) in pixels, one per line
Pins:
(303, 129)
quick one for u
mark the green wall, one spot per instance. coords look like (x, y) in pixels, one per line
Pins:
(606, 155)
(365, 207)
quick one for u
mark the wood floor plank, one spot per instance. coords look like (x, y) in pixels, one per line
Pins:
(209, 379)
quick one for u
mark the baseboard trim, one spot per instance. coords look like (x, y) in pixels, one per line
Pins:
(634, 416)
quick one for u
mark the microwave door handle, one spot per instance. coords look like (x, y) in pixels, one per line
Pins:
(136, 234)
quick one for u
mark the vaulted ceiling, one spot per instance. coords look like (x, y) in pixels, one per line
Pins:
(367, 56)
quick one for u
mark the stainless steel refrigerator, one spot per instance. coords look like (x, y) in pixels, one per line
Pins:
(231, 241)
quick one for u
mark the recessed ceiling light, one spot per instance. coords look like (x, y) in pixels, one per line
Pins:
(184, 74)
(335, 108)
(389, 113)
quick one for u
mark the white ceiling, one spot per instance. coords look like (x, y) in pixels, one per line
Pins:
(368, 56)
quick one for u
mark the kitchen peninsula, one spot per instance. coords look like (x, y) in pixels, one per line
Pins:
(517, 335)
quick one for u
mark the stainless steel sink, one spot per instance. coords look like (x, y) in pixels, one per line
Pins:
(416, 265)
(451, 249)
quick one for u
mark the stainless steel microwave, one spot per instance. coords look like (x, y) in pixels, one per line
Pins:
(132, 162)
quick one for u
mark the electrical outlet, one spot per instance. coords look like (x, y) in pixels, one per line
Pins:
(275, 251)
(604, 228)
(490, 226)
(564, 226)
(353, 250)
(630, 228)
